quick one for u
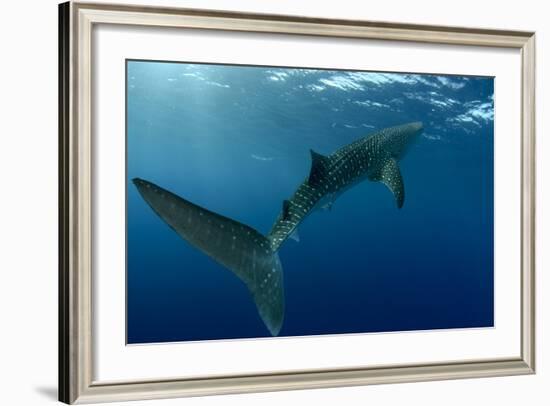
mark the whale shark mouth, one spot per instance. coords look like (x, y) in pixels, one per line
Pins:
(236, 246)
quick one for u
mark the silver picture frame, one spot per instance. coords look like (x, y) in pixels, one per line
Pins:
(76, 352)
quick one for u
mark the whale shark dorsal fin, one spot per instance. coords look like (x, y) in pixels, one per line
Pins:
(390, 175)
(319, 168)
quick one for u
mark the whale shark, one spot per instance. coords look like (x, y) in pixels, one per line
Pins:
(374, 157)
(252, 256)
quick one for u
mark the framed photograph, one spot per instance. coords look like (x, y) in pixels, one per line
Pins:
(263, 202)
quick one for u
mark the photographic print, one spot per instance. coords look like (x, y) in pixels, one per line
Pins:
(255, 202)
(282, 201)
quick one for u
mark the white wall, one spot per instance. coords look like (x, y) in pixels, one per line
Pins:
(28, 200)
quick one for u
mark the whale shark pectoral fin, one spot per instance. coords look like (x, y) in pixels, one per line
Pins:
(295, 236)
(329, 202)
(234, 245)
(390, 175)
(319, 168)
(327, 206)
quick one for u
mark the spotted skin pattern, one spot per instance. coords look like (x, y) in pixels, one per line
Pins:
(252, 257)
(373, 157)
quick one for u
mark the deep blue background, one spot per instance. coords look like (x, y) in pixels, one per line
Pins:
(236, 140)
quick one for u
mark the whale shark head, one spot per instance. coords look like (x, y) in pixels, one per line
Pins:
(396, 140)
(416, 127)
(408, 132)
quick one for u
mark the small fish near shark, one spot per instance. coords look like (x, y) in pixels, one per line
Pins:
(253, 257)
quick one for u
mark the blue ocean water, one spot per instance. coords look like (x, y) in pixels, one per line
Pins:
(236, 140)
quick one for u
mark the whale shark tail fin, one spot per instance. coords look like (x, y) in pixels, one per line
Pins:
(236, 246)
